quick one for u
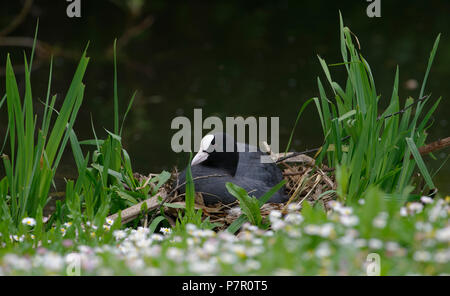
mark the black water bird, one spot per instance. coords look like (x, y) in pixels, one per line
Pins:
(221, 159)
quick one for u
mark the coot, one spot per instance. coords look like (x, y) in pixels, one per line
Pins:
(219, 161)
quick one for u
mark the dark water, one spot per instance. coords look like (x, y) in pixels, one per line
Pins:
(231, 59)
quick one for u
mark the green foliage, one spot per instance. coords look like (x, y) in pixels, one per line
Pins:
(367, 148)
(191, 216)
(250, 206)
(32, 162)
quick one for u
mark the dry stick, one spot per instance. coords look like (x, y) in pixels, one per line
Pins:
(433, 146)
(132, 212)
(152, 203)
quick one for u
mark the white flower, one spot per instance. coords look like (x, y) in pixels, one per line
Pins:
(202, 267)
(312, 229)
(29, 221)
(415, 207)
(323, 250)
(426, 199)
(119, 234)
(380, 220)
(109, 221)
(277, 224)
(345, 211)
(293, 207)
(425, 227)
(17, 238)
(403, 212)
(443, 235)
(422, 256)
(392, 246)
(326, 230)
(335, 205)
(375, 243)
(174, 254)
(165, 230)
(274, 215)
(349, 220)
(294, 218)
(252, 264)
(360, 243)
(227, 258)
(52, 261)
(157, 237)
(250, 227)
(442, 256)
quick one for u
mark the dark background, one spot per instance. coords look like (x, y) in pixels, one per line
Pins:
(247, 58)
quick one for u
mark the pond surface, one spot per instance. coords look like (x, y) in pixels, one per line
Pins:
(230, 59)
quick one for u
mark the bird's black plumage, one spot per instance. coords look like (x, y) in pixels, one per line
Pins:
(227, 161)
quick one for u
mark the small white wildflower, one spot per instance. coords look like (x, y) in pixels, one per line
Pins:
(380, 220)
(269, 233)
(443, 235)
(422, 256)
(236, 211)
(119, 234)
(274, 215)
(228, 258)
(345, 211)
(157, 237)
(349, 220)
(326, 230)
(392, 246)
(29, 221)
(312, 229)
(109, 221)
(403, 212)
(425, 227)
(335, 205)
(323, 250)
(165, 230)
(442, 256)
(375, 243)
(53, 262)
(201, 267)
(250, 227)
(210, 247)
(143, 243)
(294, 218)
(362, 201)
(426, 199)
(293, 207)
(252, 264)
(360, 243)
(415, 207)
(174, 254)
(277, 224)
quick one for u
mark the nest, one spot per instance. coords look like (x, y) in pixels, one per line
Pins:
(305, 183)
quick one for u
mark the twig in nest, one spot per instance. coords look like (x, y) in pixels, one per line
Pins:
(404, 109)
(433, 146)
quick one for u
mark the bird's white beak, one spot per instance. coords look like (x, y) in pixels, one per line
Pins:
(200, 157)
